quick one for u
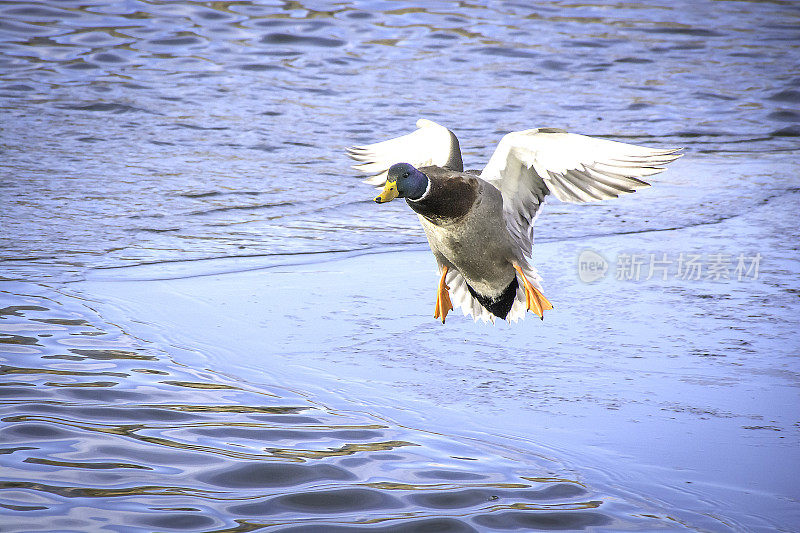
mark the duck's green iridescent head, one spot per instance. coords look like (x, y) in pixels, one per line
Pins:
(403, 181)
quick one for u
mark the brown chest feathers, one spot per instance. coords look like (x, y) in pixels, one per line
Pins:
(450, 197)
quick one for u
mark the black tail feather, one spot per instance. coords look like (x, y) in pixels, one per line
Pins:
(500, 306)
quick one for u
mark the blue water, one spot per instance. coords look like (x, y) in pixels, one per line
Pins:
(196, 328)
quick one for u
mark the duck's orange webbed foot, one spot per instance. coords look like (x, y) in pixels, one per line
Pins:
(443, 304)
(534, 299)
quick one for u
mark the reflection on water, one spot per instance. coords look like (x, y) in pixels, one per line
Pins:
(189, 138)
(101, 428)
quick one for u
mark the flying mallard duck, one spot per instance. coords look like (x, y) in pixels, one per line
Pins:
(480, 224)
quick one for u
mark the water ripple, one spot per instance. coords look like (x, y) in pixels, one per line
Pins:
(210, 449)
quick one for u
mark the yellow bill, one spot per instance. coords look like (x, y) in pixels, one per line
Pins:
(388, 194)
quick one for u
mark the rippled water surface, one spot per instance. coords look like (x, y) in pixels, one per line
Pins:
(197, 331)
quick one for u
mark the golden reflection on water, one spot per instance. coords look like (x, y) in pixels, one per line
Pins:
(277, 410)
(572, 506)
(83, 384)
(347, 449)
(86, 492)
(77, 464)
(7, 369)
(427, 487)
(296, 455)
(197, 385)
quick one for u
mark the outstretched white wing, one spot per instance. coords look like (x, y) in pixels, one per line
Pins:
(431, 144)
(527, 165)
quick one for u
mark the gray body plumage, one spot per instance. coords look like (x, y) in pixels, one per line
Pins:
(473, 243)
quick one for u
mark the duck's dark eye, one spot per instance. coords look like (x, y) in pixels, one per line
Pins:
(405, 174)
